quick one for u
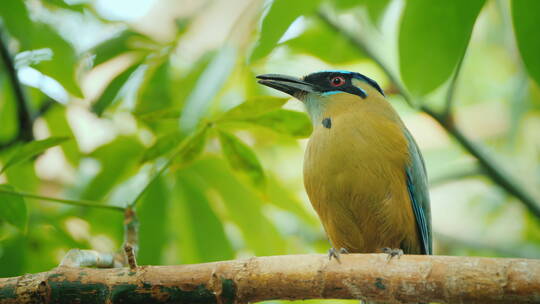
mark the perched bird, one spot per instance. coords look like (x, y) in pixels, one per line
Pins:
(363, 171)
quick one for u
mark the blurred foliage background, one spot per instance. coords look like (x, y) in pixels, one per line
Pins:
(154, 103)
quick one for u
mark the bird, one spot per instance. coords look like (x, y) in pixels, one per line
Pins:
(363, 171)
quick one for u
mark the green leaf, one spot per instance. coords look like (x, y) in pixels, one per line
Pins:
(282, 197)
(36, 35)
(58, 125)
(111, 91)
(309, 42)
(208, 85)
(155, 91)
(152, 212)
(253, 107)
(191, 148)
(117, 160)
(64, 63)
(15, 18)
(526, 24)
(346, 4)
(376, 9)
(292, 123)
(31, 149)
(242, 205)
(280, 16)
(125, 42)
(79, 8)
(202, 235)
(241, 158)
(14, 258)
(432, 39)
(163, 145)
(13, 208)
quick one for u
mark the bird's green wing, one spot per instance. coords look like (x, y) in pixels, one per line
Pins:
(419, 193)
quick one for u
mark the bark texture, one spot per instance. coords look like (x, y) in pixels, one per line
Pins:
(409, 279)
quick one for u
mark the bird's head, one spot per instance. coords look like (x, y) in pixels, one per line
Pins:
(317, 90)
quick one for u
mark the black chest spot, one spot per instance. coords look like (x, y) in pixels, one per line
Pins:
(327, 123)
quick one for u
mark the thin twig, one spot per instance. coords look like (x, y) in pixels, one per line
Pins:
(130, 256)
(472, 171)
(23, 111)
(452, 87)
(489, 166)
(81, 203)
(180, 149)
(131, 239)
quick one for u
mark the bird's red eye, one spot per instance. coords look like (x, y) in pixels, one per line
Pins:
(337, 81)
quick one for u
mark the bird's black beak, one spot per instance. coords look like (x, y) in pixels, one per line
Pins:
(293, 86)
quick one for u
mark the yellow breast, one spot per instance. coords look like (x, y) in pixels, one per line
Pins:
(354, 174)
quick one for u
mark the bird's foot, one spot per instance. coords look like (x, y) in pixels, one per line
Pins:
(392, 252)
(333, 253)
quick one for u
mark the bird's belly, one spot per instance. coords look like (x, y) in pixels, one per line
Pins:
(359, 189)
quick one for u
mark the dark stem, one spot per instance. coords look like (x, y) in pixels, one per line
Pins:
(489, 166)
(23, 111)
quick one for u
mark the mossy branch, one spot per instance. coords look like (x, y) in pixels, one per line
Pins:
(371, 277)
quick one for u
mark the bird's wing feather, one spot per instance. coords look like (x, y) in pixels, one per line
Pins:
(419, 194)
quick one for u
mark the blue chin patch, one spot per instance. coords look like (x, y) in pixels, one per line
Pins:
(331, 93)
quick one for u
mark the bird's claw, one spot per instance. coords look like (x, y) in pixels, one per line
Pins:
(333, 253)
(392, 252)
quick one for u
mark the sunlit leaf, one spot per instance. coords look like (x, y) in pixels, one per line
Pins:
(155, 91)
(309, 42)
(152, 212)
(13, 208)
(208, 85)
(31, 149)
(280, 16)
(191, 148)
(35, 35)
(125, 42)
(253, 107)
(432, 39)
(243, 206)
(201, 233)
(79, 8)
(526, 23)
(163, 145)
(109, 95)
(286, 122)
(117, 160)
(283, 198)
(64, 63)
(242, 158)
(60, 127)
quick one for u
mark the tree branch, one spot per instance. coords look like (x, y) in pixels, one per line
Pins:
(23, 111)
(489, 166)
(81, 203)
(411, 278)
